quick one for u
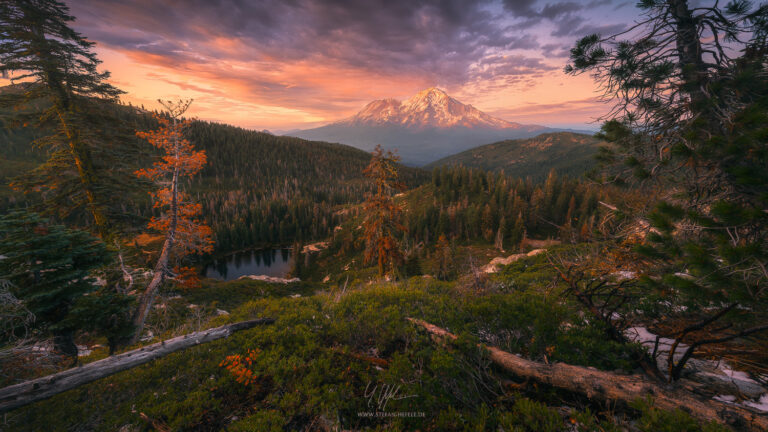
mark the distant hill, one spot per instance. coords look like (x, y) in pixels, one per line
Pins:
(426, 127)
(567, 153)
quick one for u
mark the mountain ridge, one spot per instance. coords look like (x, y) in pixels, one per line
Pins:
(568, 153)
(423, 128)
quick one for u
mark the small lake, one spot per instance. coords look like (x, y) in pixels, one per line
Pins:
(269, 262)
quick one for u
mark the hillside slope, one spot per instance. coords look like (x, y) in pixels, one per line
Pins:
(256, 188)
(567, 153)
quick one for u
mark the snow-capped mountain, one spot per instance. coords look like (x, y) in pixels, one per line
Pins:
(426, 127)
(428, 108)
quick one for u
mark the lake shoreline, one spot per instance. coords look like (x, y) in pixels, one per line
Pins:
(273, 262)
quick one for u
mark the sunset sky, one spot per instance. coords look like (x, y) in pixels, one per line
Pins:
(287, 64)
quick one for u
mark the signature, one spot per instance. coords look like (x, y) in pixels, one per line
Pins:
(379, 395)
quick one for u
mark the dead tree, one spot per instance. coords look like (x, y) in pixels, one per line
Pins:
(605, 299)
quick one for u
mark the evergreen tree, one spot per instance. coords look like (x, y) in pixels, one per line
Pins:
(50, 268)
(59, 68)
(382, 223)
(689, 128)
(498, 243)
(445, 266)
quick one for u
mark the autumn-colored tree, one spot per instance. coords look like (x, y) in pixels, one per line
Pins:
(383, 216)
(179, 220)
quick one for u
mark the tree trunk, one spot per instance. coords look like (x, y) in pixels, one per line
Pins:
(64, 343)
(25, 393)
(146, 299)
(689, 53)
(63, 106)
(607, 386)
(86, 173)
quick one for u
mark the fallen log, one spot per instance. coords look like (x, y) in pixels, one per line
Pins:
(607, 386)
(24, 393)
(376, 361)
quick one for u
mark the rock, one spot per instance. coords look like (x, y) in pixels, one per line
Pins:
(270, 279)
(495, 263)
(314, 247)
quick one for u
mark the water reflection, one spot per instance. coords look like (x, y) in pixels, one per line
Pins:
(269, 262)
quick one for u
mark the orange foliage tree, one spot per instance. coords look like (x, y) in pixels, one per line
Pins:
(383, 216)
(179, 220)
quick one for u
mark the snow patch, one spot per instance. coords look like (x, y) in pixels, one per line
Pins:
(718, 374)
(761, 404)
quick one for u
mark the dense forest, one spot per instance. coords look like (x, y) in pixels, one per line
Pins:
(470, 204)
(257, 189)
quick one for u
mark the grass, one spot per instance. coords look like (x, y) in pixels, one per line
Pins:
(314, 364)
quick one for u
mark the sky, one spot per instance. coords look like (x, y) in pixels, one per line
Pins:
(294, 64)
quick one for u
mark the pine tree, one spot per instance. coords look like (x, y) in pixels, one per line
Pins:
(689, 126)
(49, 268)
(382, 224)
(500, 234)
(37, 42)
(444, 259)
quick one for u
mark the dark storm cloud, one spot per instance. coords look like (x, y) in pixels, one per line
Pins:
(438, 37)
(259, 47)
(522, 8)
(568, 16)
(555, 10)
(420, 36)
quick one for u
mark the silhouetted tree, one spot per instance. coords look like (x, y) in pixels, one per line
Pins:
(691, 92)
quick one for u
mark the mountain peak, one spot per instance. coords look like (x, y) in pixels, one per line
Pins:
(429, 108)
(431, 92)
